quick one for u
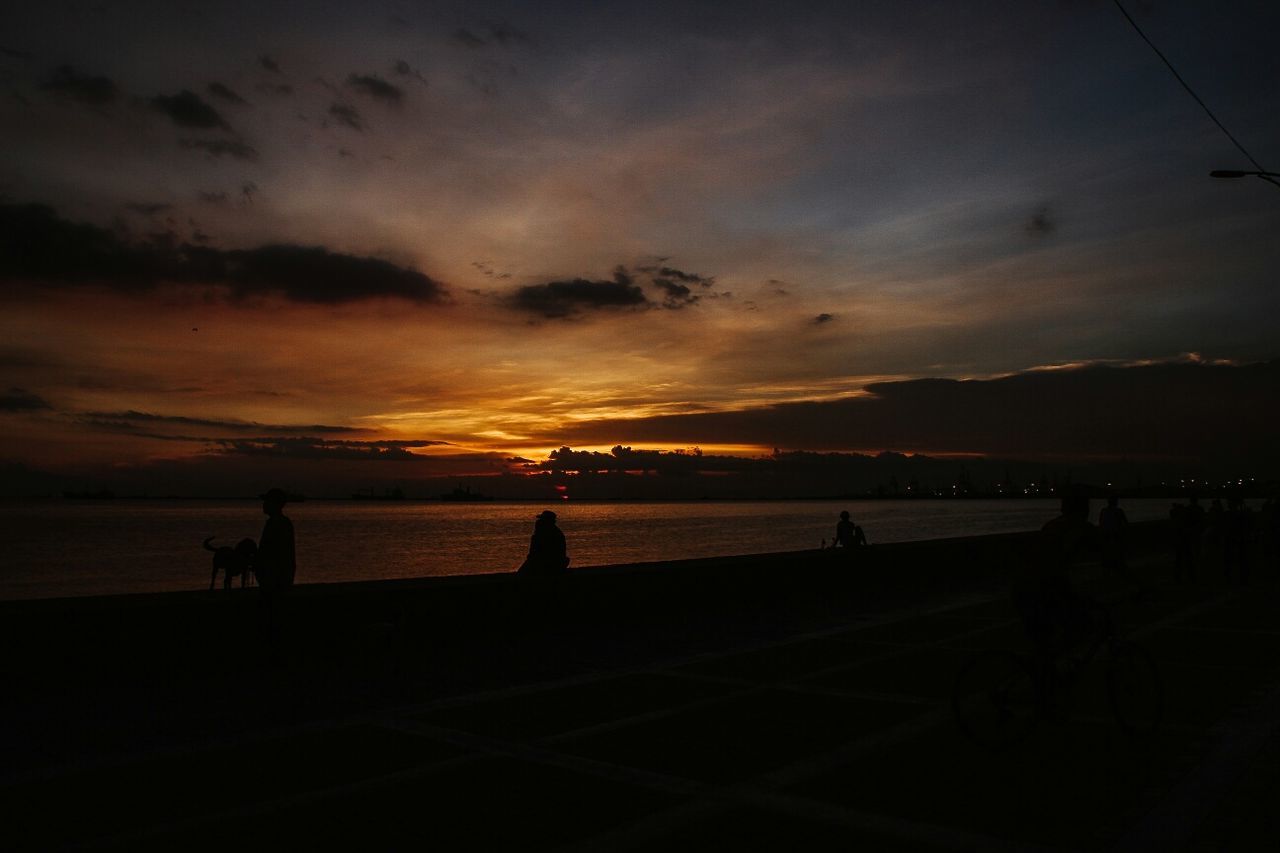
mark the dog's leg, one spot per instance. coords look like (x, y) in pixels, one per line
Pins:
(213, 577)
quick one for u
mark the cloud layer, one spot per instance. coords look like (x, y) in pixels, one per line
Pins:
(902, 194)
(37, 246)
(1177, 411)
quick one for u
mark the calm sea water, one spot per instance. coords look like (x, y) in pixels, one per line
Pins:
(72, 548)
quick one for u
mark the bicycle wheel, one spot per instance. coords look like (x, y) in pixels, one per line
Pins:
(994, 700)
(1134, 688)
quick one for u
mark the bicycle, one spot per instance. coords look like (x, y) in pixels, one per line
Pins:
(1000, 696)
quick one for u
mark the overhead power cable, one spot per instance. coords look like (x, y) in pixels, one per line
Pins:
(1186, 86)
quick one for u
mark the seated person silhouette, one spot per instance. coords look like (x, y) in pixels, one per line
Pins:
(547, 550)
(848, 534)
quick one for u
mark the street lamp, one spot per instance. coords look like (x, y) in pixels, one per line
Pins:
(1269, 177)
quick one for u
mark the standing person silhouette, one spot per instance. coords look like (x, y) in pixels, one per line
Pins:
(275, 565)
(1193, 533)
(548, 553)
(1113, 527)
(1237, 540)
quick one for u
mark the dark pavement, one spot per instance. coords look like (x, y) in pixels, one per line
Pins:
(834, 738)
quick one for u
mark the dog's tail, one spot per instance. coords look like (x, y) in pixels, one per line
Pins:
(208, 546)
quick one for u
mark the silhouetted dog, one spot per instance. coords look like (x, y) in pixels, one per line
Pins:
(232, 561)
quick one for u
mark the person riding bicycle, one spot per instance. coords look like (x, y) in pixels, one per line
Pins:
(1054, 613)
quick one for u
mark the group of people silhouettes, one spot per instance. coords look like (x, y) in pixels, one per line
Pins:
(548, 555)
(274, 562)
(1051, 607)
(1044, 593)
(1222, 535)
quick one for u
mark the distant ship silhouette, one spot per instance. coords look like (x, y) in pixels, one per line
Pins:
(461, 494)
(395, 494)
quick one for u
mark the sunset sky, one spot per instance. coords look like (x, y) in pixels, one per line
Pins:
(450, 237)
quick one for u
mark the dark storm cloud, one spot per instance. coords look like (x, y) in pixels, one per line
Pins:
(1180, 411)
(488, 270)
(375, 87)
(219, 147)
(675, 295)
(502, 34)
(674, 284)
(269, 64)
(681, 275)
(1041, 223)
(19, 400)
(96, 91)
(212, 197)
(226, 93)
(404, 69)
(187, 109)
(466, 37)
(311, 274)
(346, 114)
(133, 419)
(16, 54)
(148, 208)
(275, 88)
(507, 34)
(558, 299)
(37, 246)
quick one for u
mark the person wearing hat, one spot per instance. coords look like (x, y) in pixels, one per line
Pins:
(547, 550)
(276, 561)
(848, 534)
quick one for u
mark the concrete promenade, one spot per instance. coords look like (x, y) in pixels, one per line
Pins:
(793, 702)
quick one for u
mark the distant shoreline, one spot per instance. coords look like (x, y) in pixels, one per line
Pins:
(1095, 494)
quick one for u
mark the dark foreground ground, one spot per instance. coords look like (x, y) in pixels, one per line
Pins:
(794, 702)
